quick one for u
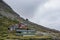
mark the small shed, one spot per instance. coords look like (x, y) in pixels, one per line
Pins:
(12, 27)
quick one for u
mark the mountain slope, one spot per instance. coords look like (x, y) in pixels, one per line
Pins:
(9, 17)
(7, 11)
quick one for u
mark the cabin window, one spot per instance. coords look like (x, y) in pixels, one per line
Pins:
(8, 28)
(18, 32)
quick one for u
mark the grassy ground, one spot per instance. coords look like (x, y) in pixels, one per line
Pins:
(5, 35)
(4, 24)
(14, 37)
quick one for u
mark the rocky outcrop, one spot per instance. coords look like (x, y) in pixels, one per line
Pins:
(7, 11)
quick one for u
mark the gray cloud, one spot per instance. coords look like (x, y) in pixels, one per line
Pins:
(24, 7)
(48, 14)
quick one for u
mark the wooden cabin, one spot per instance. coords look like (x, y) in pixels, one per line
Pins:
(22, 26)
(18, 26)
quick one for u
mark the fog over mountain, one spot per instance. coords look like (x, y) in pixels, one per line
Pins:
(43, 12)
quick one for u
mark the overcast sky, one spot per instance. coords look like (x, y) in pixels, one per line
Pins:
(43, 12)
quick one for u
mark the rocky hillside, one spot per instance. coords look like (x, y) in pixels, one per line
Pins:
(7, 11)
(9, 17)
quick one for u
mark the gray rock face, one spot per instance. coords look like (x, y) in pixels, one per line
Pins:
(7, 11)
(0, 0)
